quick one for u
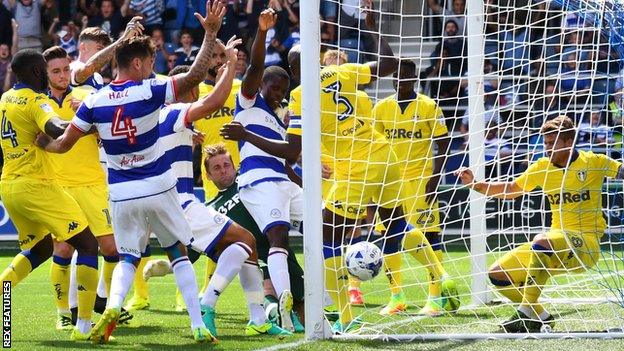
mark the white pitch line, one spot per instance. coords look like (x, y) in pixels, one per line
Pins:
(285, 346)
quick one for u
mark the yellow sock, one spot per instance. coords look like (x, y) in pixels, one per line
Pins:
(440, 255)
(140, 285)
(210, 268)
(59, 277)
(537, 276)
(392, 267)
(511, 292)
(107, 274)
(336, 277)
(354, 283)
(19, 269)
(87, 280)
(417, 245)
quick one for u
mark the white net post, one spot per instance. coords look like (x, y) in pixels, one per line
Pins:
(478, 235)
(311, 146)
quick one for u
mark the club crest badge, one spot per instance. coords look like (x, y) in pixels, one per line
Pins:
(581, 175)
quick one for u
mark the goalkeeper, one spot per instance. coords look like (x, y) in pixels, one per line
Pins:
(572, 181)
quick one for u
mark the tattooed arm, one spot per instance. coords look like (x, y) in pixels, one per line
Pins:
(101, 58)
(211, 23)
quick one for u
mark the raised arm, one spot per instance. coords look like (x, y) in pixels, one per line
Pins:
(499, 190)
(253, 76)
(222, 89)
(289, 149)
(101, 58)
(211, 24)
(387, 63)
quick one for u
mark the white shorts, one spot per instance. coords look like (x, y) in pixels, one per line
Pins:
(208, 226)
(133, 221)
(273, 203)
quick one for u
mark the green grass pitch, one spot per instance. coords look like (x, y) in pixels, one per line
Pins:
(33, 318)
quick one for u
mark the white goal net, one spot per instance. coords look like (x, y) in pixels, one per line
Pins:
(485, 77)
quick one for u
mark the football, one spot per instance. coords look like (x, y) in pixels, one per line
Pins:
(364, 260)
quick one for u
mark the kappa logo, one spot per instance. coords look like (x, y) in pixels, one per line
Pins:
(72, 226)
(81, 288)
(581, 175)
(275, 213)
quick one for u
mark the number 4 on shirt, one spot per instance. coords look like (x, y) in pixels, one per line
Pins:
(7, 130)
(122, 126)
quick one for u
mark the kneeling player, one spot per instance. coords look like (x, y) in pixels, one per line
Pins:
(572, 181)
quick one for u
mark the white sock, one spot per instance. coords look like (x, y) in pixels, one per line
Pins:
(278, 269)
(123, 276)
(83, 325)
(228, 266)
(101, 289)
(544, 315)
(528, 311)
(251, 281)
(73, 286)
(185, 279)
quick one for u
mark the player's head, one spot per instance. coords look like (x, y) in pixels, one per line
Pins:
(30, 68)
(559, 137)
(335, 57)
(275, 83)
(58, 67)
(193, 94)
(217, 60)
(219, 166)
(92, 40)
(294, 62)
(405, 77)
(135, 57)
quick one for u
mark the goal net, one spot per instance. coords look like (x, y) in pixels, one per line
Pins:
(488, 75)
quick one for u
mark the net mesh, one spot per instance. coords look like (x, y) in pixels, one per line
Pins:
(540, 59)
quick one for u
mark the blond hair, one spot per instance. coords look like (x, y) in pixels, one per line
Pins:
(562, 125)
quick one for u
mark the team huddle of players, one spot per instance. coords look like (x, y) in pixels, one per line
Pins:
(58, 112)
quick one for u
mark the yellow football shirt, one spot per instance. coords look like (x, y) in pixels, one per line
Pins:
(24, 114)
(210, 126)
(575, 192)
(80, 166)
(346, 132)
(411, 132)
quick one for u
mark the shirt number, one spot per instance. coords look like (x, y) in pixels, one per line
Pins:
(334, 89)
(122, 126)
(7, 130)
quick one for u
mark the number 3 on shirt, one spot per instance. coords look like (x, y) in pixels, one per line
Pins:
(7, 130)
(122, 126)
(334, 88)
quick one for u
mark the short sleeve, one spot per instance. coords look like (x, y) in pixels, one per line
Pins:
(294, 107)
(84, 118)
(532, 177)
(610, 166)
(42, 112)
(436, 121)
(163, 90)
(173, 119)
(360, 73)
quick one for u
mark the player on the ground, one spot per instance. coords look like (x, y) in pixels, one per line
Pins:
(265, 187)
(367, 176)
(40, 209)
(218, 237)
(141, 181)
(572, 181)
(413, 123)
(87, 187)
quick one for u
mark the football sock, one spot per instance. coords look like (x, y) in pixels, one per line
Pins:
(537, 276)
(278, 269)
(210, 269)
(392, 267)
(23, 263)
(185, 279)
(123, 274)
(228, 265)
(59, 277)
(140, 285)
(86, 279)
(107, 271)
(417, 245)
(251, 281)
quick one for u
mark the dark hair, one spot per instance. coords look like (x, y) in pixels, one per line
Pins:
(407, 63)
(54, 52)
(129, 49)
(22, 62)
(179, 69)
(95, 34)
(272, 72)
(562, 125)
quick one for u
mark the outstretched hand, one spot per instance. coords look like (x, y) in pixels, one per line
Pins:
(233, 131)
(134, 28)
(267, 19)
(231, 52)
(215, 11)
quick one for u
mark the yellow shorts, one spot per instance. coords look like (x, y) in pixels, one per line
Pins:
(419, 213)
(93, 200)
(573, 253)
(367, 180)
(38, 208)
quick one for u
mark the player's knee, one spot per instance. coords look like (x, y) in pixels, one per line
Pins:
(63, 250)
(278, 236)
(175, 251)
(498, 276)
(541, 243)
(107, 245)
